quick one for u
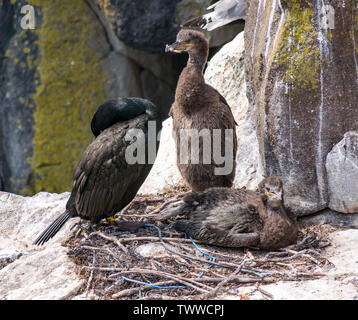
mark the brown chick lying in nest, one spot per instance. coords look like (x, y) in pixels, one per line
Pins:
(239, 217)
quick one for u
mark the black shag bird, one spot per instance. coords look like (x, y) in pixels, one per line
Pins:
(199, 108)
(104, 182)
(225, 11)
(239, 218)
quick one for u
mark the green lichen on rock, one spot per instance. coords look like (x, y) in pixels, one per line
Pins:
(266, 18)
(298, 52)
(72, 84)
(354, 32)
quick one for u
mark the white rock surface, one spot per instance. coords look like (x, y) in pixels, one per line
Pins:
(340, 282)
(342, 174)
(343, 253)
(27, 271)
(164, 173)
(320, 289)
(226, 73)
(152, 250)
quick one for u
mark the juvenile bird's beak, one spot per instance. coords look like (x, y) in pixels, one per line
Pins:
(276, 196)
(177, 47)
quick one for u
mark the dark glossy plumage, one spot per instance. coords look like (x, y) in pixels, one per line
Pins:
(239, 217)
(115, 110)
(198, 106)
(104, 182)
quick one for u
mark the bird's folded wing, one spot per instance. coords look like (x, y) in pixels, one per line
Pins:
(214, 236)
(225, 13)
(103, 176)
(222, 5)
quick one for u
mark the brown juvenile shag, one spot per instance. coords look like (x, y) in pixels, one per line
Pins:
(239, 217)
(104, 181)
(199, 108)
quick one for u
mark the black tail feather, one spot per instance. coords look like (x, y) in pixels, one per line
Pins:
(52, 229)
(196, 22)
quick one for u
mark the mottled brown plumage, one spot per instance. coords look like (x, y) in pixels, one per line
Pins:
(104, 181)
(199, 106)
(239, 217)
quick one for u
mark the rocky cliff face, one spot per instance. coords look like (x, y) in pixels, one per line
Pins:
(80, 54)
(54, 77)
(302, 78)
(26, 271)
(134, 26)
(149, 26)
(302, 89)
(342, 173)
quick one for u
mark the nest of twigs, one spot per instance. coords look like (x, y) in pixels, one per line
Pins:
(112, 267)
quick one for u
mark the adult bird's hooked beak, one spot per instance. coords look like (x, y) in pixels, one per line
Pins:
(177, 47)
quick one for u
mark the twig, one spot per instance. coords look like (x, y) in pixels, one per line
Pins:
(311, 275)
(238, 279)
(295, 254)
(165, 216)
(103, 268)
(103, 249)
(132, 215)
(188, 282)
(91, 276)
(125, 209)
(136, 201)
(116, 241)
(145, 200)
(149, 238)
(257, 273)
(227, 279)
(264, 292)
(225, 265)
(185, 255)
(166, 204)
(131, 291)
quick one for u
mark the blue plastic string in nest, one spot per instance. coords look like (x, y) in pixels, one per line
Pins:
(212, 259)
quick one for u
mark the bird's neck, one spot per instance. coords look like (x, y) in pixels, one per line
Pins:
(278, 230)
(191, 81)
(192, 74)
(277, 208)
(277, 215)
(190, 88)
(198, 62)
(268, 209)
